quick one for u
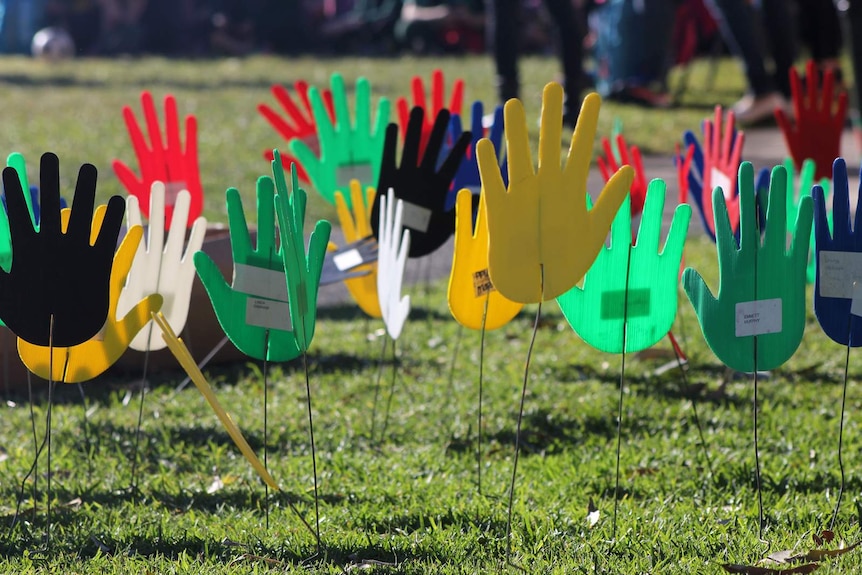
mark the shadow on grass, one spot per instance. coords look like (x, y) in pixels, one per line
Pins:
(74, 542)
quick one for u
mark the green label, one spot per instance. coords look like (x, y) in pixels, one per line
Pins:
(614, 304)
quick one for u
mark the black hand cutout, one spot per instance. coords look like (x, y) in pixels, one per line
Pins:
(54, 273)
(421, 186)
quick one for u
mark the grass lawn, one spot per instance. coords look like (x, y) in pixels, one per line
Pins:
(407, 500)
(74, 108)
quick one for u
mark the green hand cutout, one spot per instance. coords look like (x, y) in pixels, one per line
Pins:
(761, 290)
(646, 307)
(15, 160)
(348, 150)
(794, 198)
(303, 270)
(253, 310)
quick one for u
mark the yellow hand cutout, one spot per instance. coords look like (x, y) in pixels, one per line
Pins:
(356, 225)
(470, 288)
(91, 358)
(542, 238)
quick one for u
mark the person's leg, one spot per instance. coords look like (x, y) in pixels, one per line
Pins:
(503, 38)
(778, 21)
(735, 19)
(570, 42)
(822, 29)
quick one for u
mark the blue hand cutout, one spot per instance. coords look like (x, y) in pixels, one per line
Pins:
(839, 260)
(467, 175)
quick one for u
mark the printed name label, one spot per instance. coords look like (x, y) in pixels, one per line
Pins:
(347, 260)
(838, 272)
(361, 172)
(482, 283)
(415, 217)
(856, 304)
(758, 317)
(259, 282)
(614, 304)
(267, 313)
(722, 180)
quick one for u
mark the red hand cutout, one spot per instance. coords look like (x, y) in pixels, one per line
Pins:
(166, 162)
(721, 157)
(816, 132)
(299, 122)
(608, 166)
(437, 88)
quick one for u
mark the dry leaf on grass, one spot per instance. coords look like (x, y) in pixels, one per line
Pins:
(756, 570)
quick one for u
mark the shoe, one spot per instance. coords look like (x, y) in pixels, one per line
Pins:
(642, 96)
(753, 109)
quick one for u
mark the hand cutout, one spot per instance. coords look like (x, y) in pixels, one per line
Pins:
(795, 193)
(355, 224)
(467, 175)
(16, 161)
(162, 267)
(299, 123)
(761, 284)
(54, 274)
(391, 259)
(166, 162)
(419, 183)
(683, 164)
(302, 269)
(839, 259)
(253, 310)
(437, 104)
(470, 286)
(608, 165)
(645, 305)
(721, 158)
(87, 360)
(819, 121)
(348, 149)
(540, 233)
(348, 262)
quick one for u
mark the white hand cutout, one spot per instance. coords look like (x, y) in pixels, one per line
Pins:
(391, 259)
(162, 267)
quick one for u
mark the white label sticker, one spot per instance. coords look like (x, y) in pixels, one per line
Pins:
(267, 313)
(347, 260)
(758, 317)
(361, 172)
(172, 189)
(722, 180)
(856, 303)
(259, 282)
(838, 272)
(416, 217)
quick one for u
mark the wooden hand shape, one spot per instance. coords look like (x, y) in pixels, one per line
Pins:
(471, 294)
(349, 148)
(164, 161)
(162, 267)
(87, 360)
(299, 123)
(57, 278)
(355, 224)
(542, 239)
(761, 290)
(420, 184)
